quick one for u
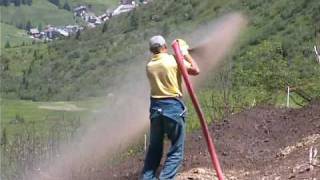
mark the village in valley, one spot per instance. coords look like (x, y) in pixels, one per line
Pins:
(85, 14)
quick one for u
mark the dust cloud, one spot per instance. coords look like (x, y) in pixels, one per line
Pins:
(125, 118)
(215, 43)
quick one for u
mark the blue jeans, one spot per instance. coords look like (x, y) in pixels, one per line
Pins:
(167, 117)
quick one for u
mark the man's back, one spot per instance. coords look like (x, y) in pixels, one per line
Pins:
(164, 76)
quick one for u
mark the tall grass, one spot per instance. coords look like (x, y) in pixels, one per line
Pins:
(23, 151)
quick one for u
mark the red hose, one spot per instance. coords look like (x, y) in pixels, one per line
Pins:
(195, 101)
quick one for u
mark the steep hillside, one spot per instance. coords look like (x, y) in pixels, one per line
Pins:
(276, 50)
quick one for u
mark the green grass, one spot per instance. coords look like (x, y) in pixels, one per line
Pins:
(16, 115)
(98, 6)
(41, 12)
(12, 34)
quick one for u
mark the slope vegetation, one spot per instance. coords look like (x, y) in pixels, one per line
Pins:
(276, 50)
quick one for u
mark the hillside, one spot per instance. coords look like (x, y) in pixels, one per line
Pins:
(41, 13)
(47, 87)
(277, 49)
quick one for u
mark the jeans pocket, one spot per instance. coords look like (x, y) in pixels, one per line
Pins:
(155, 112)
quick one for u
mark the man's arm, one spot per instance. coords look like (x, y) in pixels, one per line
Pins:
(193, 69)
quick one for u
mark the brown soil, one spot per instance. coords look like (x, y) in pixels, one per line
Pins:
(259, 143)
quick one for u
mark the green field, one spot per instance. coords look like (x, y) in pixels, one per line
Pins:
(12, 34)
(98, 6)
(19, 115)
(41, 12)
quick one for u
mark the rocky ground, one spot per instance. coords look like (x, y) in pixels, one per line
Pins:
(264, 143)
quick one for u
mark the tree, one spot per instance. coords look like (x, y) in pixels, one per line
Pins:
(55, 2)
(5, 2)
(5, 62)
(29, 2)
(133, 21)
(28, 26)
(7, 45)
(20, 25)
(17, 3)
(40, 27)
(78, 35)
(105, 27)
(4, 139)
(66, 6)
(35, 55)
(165, 29)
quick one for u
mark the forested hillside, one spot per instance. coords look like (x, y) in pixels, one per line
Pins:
(275, 51)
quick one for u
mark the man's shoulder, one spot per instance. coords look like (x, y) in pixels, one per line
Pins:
(169, 57)
(162, 59)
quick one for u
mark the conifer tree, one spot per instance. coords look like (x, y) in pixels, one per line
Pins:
(28, 26)
(66, 6)
(7, 45)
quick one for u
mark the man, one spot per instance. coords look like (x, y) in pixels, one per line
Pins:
(167, 111)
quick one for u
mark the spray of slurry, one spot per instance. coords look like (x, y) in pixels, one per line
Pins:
(217, 41)
(126, 117)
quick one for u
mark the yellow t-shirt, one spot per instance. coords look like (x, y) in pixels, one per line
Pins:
(164, 76)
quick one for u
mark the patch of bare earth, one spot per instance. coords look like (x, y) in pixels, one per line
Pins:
(264, 143)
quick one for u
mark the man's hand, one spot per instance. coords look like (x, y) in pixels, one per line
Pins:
(194, 68)
(190, 64)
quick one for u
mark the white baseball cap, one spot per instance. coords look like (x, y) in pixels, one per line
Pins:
(157, 40)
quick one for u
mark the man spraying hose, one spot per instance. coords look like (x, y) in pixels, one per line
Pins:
(167, 111)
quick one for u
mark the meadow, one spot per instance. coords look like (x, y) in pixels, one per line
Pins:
(13, 35)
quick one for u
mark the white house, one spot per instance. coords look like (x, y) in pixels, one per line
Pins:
(123, 8)
(104, 17)
(80, 11)
(62, 32)
(124, 2)
(34, 31)
(91, 25)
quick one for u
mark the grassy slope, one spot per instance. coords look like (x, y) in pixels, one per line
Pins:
(12, 34)
(41, 11)
(98, 6)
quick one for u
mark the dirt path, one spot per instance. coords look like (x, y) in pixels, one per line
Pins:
(259, 143)
(61, 106)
